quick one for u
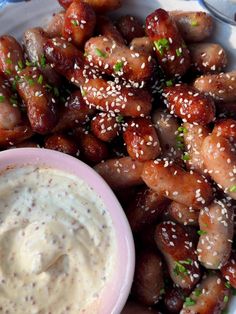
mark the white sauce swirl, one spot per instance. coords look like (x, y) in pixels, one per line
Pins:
(57, 243)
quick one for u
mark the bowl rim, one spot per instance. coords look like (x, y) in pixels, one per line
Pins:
(115, 294)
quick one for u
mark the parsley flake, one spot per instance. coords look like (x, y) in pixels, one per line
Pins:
(28, 63)
(20, 64)
(194, 23)
(179, 52)
(182, 129)
(8, 61)
(118, 66)
(233, 188)
(30, 81)
(40, 79)
(188, 261)
(180, 141)
(162, 45)
(197, 292)
(87, 128)
(7, 71)
(49, 87)
(2, 98)
(15, 81)
(13, 100)
(56, 92)
(180, 138)
(169, 83)
(201, 232)
(119, 119)
(228, 285)
(180, 269)
(233, 291)
(43, 61)
(74, 22)
(189, 302)
(186, 157)
(83, 92)
(100, 53)
(162, 291)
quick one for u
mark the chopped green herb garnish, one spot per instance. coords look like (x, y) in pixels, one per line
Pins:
(182, 129)
(186, 157)
(197, 292)
(180, 145)
(87, 127)
(194, 23)
(8, 61)
(43, 61)
(179, 269)
(120, 118)
(179, 138)
(179, 52)
(233, 188)
(201, 232)
(118, 66)
(7, 71)
(100, 53)
(15, 81)
(180, 141)
(169, 83)
(162, 291)
(189, 302)
(49, 87)
(83, 92)
(226, 298)
(56, 92)
(188, 261)
(74, 22)
(28, 63)
(2, 98)
(62, 99)
(228, 285)
(20, 64)
(233, 291)
(30, 81)
(13, 100)
(40, 79)
(162, 45)
(224, 312)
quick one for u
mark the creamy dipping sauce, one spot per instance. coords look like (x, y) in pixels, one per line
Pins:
(57, 243)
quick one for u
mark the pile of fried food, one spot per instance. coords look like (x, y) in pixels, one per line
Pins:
(152, 110)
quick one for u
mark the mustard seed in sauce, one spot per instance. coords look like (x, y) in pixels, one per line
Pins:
(59, 239)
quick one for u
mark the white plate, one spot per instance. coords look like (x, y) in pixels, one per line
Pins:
(15, 18)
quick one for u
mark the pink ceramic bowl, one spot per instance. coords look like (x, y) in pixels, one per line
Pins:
(116, 292)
